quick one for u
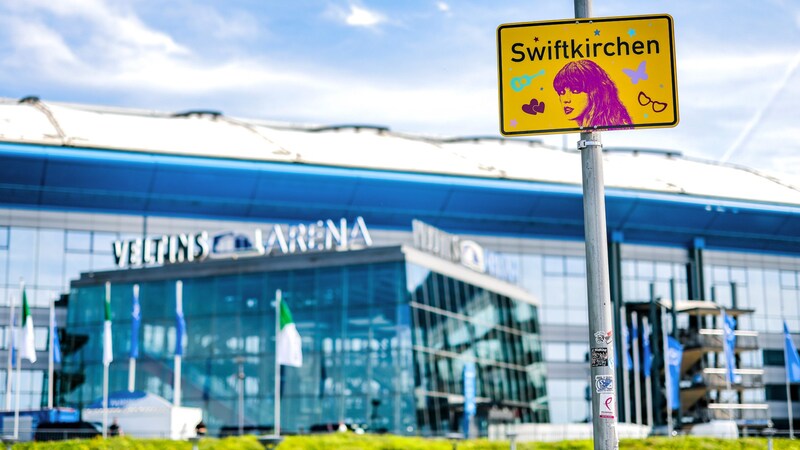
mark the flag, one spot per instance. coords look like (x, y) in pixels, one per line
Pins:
(54, 342)
(634, 341)
(792, 359)
(136, 320)
(648, 352)
(180, 322)
(626, 347)
(728, 345)
(290, 348)
(27, 343)
(108, 352)
(675, 354)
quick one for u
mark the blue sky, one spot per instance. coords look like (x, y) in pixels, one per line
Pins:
(419, 66)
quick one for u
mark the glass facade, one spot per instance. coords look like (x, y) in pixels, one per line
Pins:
(456, 322)
(381, 348)
(48, 249)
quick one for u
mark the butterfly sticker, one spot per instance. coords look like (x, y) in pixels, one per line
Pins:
(638, 74)
(644, 100)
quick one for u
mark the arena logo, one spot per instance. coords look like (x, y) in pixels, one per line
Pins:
(463, 251)
(321, 235)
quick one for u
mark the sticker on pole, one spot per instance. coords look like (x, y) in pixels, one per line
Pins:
(578, 75)
(608, 406)
(604, 384)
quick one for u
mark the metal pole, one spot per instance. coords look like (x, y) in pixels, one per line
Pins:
(176, 401)
(19, 362)
(16, 392)
(50, 370)
(132, 360)
(648, 385)
(11, 344)
(637, 383)
(105, 373)
(788, 395)
(667, 377)
(625, 369)
(601, 329)
(240, 377)
(277, 366)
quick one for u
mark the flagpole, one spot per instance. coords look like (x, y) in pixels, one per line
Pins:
(50, 356)
(667, 377)
(625, 375)
(177, 382)
(637, 383)
(16, 395)
(134, 337)
(648, 383)
(788, 388)
(12, 342)
(19, 363)
(277, 365)
(105, 368)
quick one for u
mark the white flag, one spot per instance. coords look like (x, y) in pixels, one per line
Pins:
(290, 347)
(27, 343)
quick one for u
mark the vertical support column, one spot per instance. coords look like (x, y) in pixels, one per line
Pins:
(617, 308)
(697, 283)
(658, 359)
(673, 294)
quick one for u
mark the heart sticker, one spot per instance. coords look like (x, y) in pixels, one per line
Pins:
(533, 107)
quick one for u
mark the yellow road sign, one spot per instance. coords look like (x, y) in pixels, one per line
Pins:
(603, 73)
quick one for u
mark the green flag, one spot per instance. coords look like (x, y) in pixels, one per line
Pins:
(290, 348)
(27, 346)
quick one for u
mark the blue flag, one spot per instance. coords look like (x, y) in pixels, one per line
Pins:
(136, 322)
(626, 347)
(648, 352)
(634, 341)
(56, 344)
(792, 359)
(675, 357)
(180, 323)
(729, 344)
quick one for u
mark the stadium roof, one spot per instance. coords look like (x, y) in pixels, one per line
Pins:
(205, 163)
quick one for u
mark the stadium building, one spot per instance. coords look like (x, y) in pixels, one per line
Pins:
(402, 257)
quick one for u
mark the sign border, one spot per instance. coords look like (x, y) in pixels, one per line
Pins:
(676, 117)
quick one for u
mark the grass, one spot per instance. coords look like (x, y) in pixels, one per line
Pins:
(340, 441)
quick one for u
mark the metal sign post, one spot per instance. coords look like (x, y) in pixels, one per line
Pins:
(590, 75)
(604, 407)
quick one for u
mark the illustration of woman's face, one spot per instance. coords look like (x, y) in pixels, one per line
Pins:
(573, 102)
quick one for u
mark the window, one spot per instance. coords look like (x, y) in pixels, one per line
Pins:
(773, 357)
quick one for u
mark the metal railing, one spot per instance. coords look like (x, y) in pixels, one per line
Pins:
(753, 413)
(743, 378)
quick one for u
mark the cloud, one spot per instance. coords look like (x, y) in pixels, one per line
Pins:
(443, 7)
(33, 42)
(362, 17)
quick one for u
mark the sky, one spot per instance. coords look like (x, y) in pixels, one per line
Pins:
(416, 66)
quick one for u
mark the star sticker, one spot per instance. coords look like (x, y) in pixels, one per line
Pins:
(536, 39)
(597, 32)
(632, 32)
(513, 122)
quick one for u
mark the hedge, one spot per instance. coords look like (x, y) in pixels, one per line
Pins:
(340, 441)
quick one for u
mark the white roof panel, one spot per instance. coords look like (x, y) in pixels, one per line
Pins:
(213, 135)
